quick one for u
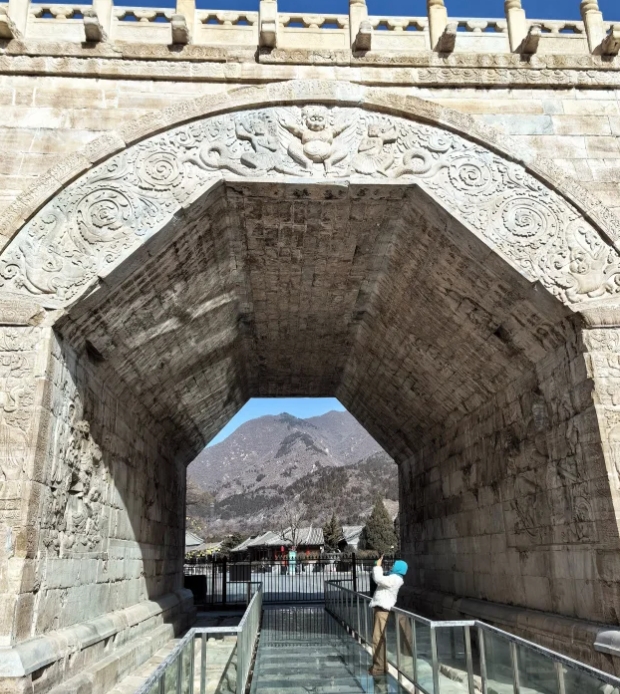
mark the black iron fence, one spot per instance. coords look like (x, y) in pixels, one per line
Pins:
(220, 581)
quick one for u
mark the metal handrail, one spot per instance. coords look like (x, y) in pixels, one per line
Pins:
(352, 610)
(247, 634)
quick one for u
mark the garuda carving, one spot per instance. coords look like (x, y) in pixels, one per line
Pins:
(99, 220)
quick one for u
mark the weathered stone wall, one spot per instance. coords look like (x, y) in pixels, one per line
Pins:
(422, 305)
(100, 528)
(126, 527)
(515, 504)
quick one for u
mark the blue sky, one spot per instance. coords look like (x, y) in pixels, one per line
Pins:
(298, 407)
(535, 9)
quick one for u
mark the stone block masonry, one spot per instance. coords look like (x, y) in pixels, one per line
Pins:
(416, 215)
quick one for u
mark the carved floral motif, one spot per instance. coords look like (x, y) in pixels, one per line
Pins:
(101, 218)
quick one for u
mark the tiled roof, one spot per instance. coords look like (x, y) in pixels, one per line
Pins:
(192, 540)
(307, 536)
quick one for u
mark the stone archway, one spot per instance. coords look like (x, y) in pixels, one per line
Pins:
(100, 219)
(386, 219)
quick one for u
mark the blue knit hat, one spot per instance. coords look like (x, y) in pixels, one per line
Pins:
(400, 567)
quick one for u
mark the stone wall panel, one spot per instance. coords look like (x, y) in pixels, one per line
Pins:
(72, 574)
(502, 415)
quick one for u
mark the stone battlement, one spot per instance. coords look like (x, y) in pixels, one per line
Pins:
(28, 28)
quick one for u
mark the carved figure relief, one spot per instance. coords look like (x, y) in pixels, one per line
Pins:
(101, 218)
(602, 340)
(375, 154)
(77, 482)
(319, 138)
(17, 393)
(593, 265)
(613, 439)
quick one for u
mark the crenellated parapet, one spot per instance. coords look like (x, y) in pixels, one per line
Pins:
(357, 31)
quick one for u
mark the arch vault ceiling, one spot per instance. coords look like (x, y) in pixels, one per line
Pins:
(372, 294)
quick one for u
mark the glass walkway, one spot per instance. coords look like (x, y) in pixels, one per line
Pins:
(304, 650)
(325, 650)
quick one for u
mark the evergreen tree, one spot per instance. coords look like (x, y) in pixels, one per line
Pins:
(232, 541)
(332, 533)
(378, 533)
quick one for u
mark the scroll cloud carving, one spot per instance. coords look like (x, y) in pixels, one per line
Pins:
(100, 219)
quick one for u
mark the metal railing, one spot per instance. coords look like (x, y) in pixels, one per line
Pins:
(442, 656)
(225, 582)
(184, 671)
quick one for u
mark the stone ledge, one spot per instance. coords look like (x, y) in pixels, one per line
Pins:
(379, 68)
(116, 667)
(601, 317)
(25, 658)
(588, 642)
(138, 51)
(608, 641)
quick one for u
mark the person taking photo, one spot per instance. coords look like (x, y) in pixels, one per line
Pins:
(382, 602)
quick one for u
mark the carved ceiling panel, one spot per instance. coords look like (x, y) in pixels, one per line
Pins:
(370, 293)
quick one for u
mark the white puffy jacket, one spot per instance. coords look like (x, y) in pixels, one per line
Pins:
(387, 589)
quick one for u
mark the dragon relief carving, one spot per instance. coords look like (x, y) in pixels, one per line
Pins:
(100, 219)
(77, 483)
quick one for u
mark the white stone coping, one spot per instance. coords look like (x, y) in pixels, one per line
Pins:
(608, 641)
(52, 23)
(36, 653)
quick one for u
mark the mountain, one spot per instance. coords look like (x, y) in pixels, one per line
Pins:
(326, 463)
(280, 449)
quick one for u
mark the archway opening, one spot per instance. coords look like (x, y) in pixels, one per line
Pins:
(421, 279)
(375, 295)
(308, 455)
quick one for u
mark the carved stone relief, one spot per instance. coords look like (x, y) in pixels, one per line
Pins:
(18, 347)
(101, 218)
(603, 345)
(73, 518)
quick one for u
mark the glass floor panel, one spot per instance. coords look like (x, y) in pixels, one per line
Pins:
(303, 650)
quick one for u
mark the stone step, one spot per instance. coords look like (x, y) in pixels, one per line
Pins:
(350, 687)
(309, 658)
(129, 684)
(317, 674)
(291, 652)
(302, 648)
(327, 658)
(305, 663)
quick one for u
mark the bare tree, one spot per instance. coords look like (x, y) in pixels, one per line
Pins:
(195, 494)
(290, 521)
